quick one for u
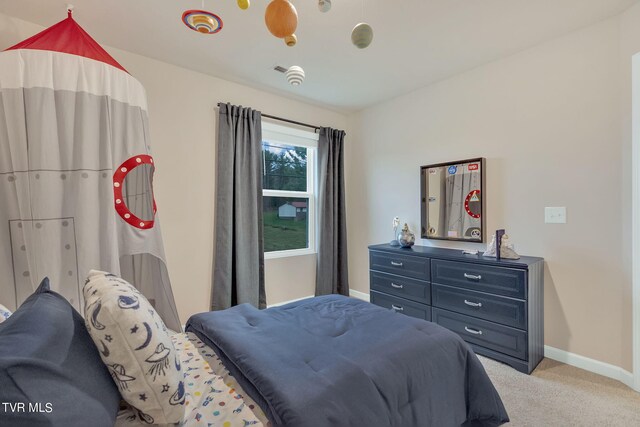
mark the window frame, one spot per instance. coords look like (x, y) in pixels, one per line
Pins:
(301, 138)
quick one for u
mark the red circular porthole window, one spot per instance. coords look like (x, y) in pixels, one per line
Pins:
(472, 204)
(133, 195)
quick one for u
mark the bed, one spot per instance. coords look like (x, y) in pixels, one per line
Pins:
(330, 361)
(324, 361)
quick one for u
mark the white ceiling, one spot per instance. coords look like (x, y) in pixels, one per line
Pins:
(416, 42)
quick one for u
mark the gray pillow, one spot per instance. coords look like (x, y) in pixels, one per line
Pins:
(50, 369)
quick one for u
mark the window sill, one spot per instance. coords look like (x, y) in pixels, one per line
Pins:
(290, 253)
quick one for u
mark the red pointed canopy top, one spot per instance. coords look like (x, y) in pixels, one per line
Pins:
(68, 37)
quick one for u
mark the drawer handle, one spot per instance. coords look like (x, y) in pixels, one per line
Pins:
(396, 307)
(473, 304)
(473, 331)
(393, 285)
(396, 264)
(473, 277)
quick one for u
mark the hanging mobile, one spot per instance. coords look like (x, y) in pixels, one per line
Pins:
(202, 21)
(362, 33)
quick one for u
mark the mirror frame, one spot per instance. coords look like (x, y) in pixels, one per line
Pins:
(424, 196)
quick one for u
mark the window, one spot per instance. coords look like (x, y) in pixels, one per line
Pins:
(289, 198)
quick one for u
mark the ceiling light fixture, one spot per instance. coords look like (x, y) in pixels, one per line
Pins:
(295, 75)
(324, 5)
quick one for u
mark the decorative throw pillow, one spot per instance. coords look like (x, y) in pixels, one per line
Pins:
(136, 347)
(4, 313)
(50, 370)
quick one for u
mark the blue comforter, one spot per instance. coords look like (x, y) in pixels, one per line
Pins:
(338, 361)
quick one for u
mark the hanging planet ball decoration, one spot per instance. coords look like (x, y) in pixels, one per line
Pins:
(324, 5)
(281, 18)
(202, 21)
(244, 4)
(291, 40)
(362, 35)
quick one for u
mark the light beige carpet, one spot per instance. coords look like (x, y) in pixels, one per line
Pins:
(556, 394)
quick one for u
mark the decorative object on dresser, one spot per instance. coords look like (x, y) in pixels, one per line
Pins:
(396, 223)
(406, 238)
(494, 305)
(453, 200)
(501, 247)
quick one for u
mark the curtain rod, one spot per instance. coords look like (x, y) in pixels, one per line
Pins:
(286, 120)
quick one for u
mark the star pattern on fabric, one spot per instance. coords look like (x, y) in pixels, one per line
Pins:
(143, 397)
(165, 388)
(134, 329)
(108, 338)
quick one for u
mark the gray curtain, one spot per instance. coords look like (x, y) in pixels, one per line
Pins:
(238, 273)
(332, 275)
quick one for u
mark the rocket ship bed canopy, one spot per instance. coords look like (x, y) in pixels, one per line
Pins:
(76, 172)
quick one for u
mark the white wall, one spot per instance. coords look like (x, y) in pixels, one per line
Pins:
(551, 122)
(182, 123)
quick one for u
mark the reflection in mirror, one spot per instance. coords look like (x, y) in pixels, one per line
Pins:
(452, 201)
(137, 191)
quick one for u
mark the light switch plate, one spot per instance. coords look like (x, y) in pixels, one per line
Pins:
(555, 215)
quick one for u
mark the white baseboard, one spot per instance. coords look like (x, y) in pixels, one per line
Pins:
(287, 302)
(359, 295)
(591, 365)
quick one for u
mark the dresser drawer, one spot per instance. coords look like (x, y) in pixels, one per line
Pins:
(416, 290)
(401, 305)
(507, 311)
(486, 334)
(404, 265)
(486, 278)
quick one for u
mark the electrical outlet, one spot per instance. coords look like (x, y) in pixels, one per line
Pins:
(555, 215)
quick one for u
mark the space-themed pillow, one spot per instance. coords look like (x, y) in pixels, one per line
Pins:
(136, 347)
(4, 313)
(50, 370)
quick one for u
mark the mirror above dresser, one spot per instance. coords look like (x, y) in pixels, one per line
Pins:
(452, 200)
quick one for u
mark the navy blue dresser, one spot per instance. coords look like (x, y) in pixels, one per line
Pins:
(495, 306)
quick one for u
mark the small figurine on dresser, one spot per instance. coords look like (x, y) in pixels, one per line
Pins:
(501, 247)
(406, 238)
(396, 223)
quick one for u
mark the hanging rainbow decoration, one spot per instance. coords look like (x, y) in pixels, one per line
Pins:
(202, 21)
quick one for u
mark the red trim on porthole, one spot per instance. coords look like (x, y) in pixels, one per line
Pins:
(466, 204)
(118, 179)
